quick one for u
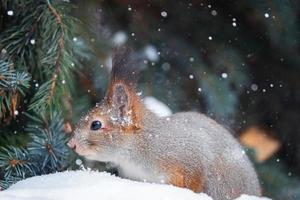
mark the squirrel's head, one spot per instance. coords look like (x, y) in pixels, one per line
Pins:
(112, 124)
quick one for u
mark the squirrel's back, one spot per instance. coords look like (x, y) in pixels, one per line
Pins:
(197, 144)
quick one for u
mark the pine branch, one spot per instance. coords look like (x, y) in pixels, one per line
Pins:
(48, 142)
(59, 51)
(12, 83)
(15, 165)
(46, 153)
(58, 48)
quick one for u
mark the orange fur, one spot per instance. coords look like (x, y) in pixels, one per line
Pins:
(185, 178)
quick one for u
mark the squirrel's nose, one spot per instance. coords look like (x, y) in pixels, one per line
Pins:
(72, 144)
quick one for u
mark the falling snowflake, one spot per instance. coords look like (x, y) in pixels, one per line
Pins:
(164, 14)
(78, 162)
(10, 13)
(267, 15)
(191, 76)
(254, 87)
(32, 41)
(119, 38)
(210, 37)
(151, 53)
(224, 75)
(214, 12)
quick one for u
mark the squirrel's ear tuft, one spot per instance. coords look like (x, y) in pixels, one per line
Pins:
(120, 101)
(126, 105)
(124, 66)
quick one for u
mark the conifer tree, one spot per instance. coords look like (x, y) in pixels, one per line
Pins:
(36, 81)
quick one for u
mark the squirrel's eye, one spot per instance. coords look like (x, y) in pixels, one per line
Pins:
(96, 125)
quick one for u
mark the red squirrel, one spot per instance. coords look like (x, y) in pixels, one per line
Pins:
(186, 149)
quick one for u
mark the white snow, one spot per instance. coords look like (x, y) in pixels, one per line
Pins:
(267, 15)
(119, 38)
(214, 12)
(224, 75)
(151, 53)
(10, 13)
(32, 41)
(254, 87)
(157, 107)
(81, 185)
(164, 14)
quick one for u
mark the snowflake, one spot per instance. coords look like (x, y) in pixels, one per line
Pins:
(224, 75)
(214, 12)
(164, 14)
(32, 41)
(10, 13)
(267, 15)
(254, 87)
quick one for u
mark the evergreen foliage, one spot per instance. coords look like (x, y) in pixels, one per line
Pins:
(12, 84)
(36, 67)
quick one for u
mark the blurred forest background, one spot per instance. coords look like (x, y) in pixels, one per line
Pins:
(236, 61)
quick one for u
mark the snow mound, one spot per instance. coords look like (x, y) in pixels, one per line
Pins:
(157, 107)
(89, 185)
(81, 185)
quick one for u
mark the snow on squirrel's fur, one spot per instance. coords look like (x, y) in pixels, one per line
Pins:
(79, 185)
